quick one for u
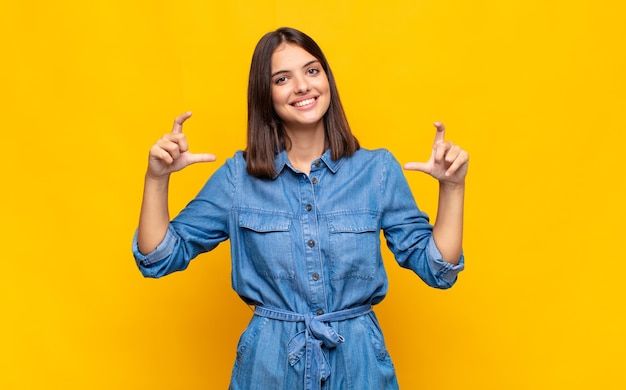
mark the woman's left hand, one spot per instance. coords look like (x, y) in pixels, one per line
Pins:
(447, 163)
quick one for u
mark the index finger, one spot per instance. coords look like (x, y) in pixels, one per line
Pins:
(178, 122)
(441, 129)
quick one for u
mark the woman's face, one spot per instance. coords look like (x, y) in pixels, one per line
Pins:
(300, 89)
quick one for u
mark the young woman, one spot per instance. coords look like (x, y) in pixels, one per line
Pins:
(303, 207)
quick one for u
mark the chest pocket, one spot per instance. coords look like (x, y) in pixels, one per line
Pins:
(268, 244)
(354, 249)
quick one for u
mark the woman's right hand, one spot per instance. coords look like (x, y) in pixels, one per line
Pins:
(171, 152)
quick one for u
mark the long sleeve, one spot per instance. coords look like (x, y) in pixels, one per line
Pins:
(408, 231)
(198, 228)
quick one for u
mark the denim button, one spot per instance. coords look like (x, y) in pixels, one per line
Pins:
(311, 243)
(316, 276)
(314, 180)
(320, 312)
(317, 163)
(309, 207)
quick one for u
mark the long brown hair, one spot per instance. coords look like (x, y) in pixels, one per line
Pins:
(266, 133)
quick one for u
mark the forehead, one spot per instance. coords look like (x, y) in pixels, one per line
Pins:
(288, 56)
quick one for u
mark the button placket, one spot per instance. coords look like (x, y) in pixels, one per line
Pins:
(310, 230)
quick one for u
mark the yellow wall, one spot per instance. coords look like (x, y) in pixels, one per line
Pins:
(533, 89)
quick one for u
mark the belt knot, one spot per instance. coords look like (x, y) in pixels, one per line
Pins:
(316, 335)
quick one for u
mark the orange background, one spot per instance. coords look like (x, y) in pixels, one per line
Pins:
(533, 89)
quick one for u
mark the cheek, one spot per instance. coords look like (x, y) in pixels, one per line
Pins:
(324, 88)
(278, 102)
(278, 97)
(322, 84)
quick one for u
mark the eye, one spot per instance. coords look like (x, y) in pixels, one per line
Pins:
(312, 71)
(280, 80)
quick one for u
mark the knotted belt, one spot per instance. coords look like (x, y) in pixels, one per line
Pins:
(316, 335)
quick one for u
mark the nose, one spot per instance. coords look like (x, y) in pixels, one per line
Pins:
(301, 85)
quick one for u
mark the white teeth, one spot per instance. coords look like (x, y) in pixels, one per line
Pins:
(304, 102)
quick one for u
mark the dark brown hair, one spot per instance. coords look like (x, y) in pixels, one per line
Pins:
(266, 133)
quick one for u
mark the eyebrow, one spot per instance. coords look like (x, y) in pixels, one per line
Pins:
(303, 66)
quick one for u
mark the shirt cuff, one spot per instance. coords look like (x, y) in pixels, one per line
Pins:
(444, 272)
(162, 251)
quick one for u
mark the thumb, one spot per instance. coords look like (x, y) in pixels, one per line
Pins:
(417, 166)
(201, 158)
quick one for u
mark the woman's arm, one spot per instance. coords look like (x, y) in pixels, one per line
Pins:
(448, 164)
(448, 229)
(169, 154)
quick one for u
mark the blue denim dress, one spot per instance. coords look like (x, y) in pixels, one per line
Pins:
(306, 252)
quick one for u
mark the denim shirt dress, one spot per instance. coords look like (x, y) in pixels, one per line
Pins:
(306, 252)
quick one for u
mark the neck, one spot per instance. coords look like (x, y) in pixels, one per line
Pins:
(306, 146)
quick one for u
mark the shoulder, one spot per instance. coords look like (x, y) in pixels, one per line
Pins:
(238, 158)
(379, 165)
(230, 170)
(235, 163)
(376, 156)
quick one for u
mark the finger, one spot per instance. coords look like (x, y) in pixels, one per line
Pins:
(183, 146)
(178, 139)
(461, 160)
(178, 122)
(170, 147)
(158, 153)
(441, 149)
(201, 158)
(417, 166)
(452, 154)
(440, 135)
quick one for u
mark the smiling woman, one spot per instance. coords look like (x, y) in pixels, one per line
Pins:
(535, 89)
(303, 208)
(300, 92)
(272, 74)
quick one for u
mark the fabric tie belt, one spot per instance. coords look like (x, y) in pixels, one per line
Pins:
(317, 334)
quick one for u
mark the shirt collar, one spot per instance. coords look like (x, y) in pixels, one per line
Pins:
(332, 165)
(281, 161)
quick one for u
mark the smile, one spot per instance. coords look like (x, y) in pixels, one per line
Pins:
(304, 102)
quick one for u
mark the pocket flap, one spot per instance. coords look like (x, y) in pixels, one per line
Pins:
(264, 222)
(352, 223)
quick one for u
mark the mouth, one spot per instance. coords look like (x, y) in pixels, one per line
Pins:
(305, 102)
